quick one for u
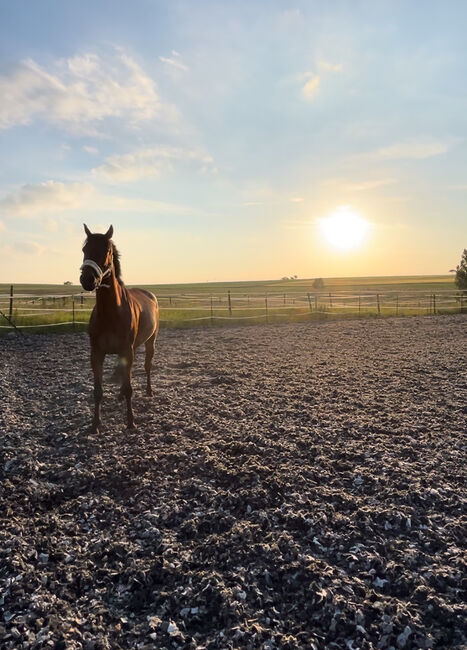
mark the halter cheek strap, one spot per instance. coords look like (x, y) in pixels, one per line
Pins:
(100, 273)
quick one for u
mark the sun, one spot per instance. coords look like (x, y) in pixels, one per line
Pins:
(344, 228)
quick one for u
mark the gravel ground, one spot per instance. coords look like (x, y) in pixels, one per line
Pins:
(288, 486)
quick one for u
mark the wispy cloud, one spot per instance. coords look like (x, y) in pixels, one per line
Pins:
(152, 162)
(331, 67)
(25, 247)
(45, 198)
(28, 247)
(53, 197)
(107, 202)
(77, 93)
(89, 149)
(364, 186)
(413, 150)
(297, 224)
(313, 80)
(174, 61)
(310, 89)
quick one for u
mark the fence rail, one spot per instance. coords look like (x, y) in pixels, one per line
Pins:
(34, 311)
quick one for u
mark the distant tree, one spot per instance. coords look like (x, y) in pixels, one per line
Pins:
(295, 277)
(318, 284)
(461, 272)
(67, 282)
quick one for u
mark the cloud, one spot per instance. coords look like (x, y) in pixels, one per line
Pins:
(413, 150)
(175, 61)
(296, 199)
(51, 196)
(43, 199)
(369, 185)
(310, 88)
(29, 247)
(78, 93)
(112, 203)
(26, 247)
(313, 80)
(461, 187)
(331, 67)
(92, 150)
(151, 162)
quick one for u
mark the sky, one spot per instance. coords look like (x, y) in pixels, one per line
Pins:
(218, 137)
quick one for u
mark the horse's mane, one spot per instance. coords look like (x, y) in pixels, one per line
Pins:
(117, 267)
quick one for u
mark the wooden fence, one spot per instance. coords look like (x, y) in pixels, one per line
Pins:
(34, 311)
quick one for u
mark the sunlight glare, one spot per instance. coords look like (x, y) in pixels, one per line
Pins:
(344, 228)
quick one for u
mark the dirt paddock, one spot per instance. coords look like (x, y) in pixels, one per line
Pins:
(288, 486)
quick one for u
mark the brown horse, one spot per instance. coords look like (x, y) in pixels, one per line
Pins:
(121, 320)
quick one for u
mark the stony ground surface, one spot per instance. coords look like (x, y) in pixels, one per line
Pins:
(289, 486)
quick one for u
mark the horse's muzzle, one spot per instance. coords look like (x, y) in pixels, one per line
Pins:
(88, 281)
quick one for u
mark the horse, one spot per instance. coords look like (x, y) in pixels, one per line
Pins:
(122, 319)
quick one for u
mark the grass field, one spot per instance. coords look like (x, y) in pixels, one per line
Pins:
(385, 283)
(206, 304)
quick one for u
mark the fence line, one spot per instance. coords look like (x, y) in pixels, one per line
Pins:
(234, 304)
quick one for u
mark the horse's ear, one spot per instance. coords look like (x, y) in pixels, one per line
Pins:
(109, 232)
(86, 230)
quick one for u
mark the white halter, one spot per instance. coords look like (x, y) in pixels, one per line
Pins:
(100, 273)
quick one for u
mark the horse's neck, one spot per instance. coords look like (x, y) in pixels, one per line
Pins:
(109, 299)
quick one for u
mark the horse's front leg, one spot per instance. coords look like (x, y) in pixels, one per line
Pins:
(127, 390)
(97, 364)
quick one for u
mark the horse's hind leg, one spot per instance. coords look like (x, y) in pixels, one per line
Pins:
(97, 363)
(150, 343)
(127, 390)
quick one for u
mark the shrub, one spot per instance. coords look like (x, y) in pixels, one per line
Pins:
(461, 272)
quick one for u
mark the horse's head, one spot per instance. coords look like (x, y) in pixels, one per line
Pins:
(97, 261)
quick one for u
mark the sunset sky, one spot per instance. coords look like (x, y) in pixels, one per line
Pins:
(218, 137)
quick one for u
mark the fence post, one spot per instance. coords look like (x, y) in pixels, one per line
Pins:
(73, 312)
(316, 302)
(309, 301)
(230, 302)
(212, 315)
(10, 313)
(330, 301)
(284, 298)
(81, 299)
(378, 304)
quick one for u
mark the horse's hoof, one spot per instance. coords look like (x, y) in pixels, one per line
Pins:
(131, 427)
(94, 430)
(149, 392)
(121, 397)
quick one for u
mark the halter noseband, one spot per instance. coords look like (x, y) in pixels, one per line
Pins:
(100, 273)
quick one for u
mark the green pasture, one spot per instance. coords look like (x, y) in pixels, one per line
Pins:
(207, 304)
(386, 283)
